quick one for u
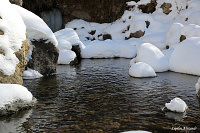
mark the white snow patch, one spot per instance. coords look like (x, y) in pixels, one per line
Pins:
(176, 105)
(141, 69)
(151, 55)
(186, 55)
(31, 74)
(66, 56)
(11, 41)
(109, 49)
(37, 29)
(11, 93)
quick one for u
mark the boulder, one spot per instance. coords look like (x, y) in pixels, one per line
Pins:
(107, 36)
(44, 57)
(16, 78)
(137, 34)
(166, 8)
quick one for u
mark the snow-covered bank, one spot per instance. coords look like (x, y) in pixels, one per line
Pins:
(109, 49)
(14, 97)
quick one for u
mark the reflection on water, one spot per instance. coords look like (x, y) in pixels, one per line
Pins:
(99, 96)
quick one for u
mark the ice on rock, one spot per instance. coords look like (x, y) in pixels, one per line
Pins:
(151, 55)
(176, 105)
(197, 86)
(31, 74)
(141, 69)
(185, 57)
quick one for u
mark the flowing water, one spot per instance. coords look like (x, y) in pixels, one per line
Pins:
(100, 96)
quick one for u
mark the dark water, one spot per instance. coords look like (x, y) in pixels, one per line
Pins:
(99, 96)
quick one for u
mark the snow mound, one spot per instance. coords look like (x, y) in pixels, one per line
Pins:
(31, 74)
(151, 55)
(66, 56)
(66, 39)
(141, 69)
(37, 29)
(11, 93)
(13, 32)
(109, 49)
(176, 105)
(197, 86)
(186, 55)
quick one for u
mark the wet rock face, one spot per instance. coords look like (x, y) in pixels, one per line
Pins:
(16, 78)
(44, 57)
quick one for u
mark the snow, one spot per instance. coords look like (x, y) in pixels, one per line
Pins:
(176, 105)
(185, 57)
(31, 74)
(197, 86)
(151, 55)
(11, 93)
(141, 69)
(109, 49)
(66, 39)
(11, 40)
(137, 131)
(37, 29)
(66, 56)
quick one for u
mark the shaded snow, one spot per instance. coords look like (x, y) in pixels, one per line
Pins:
(31, 74)
(197, 86)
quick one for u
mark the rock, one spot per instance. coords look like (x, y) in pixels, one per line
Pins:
(1, 32)
(166, 8)
(44, 57)
(17, 2)
(137, 34)
(16, 78)
(100, 11)
(107, 36)
(148, 8)
(182, 38)
(77, 50)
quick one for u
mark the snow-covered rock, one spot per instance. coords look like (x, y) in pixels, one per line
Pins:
(12, 33)
(31, 74)
(151, 55)
(186, 55)
(109, 49)
(176, 105)
(67, 39)
(14, 97)
(37, 29)
(197, 86)
(141, 69)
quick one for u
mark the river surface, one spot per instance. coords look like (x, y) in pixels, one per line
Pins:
(100, 96)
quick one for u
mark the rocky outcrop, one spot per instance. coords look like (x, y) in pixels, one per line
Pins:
(44, 57)
(16, 78)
